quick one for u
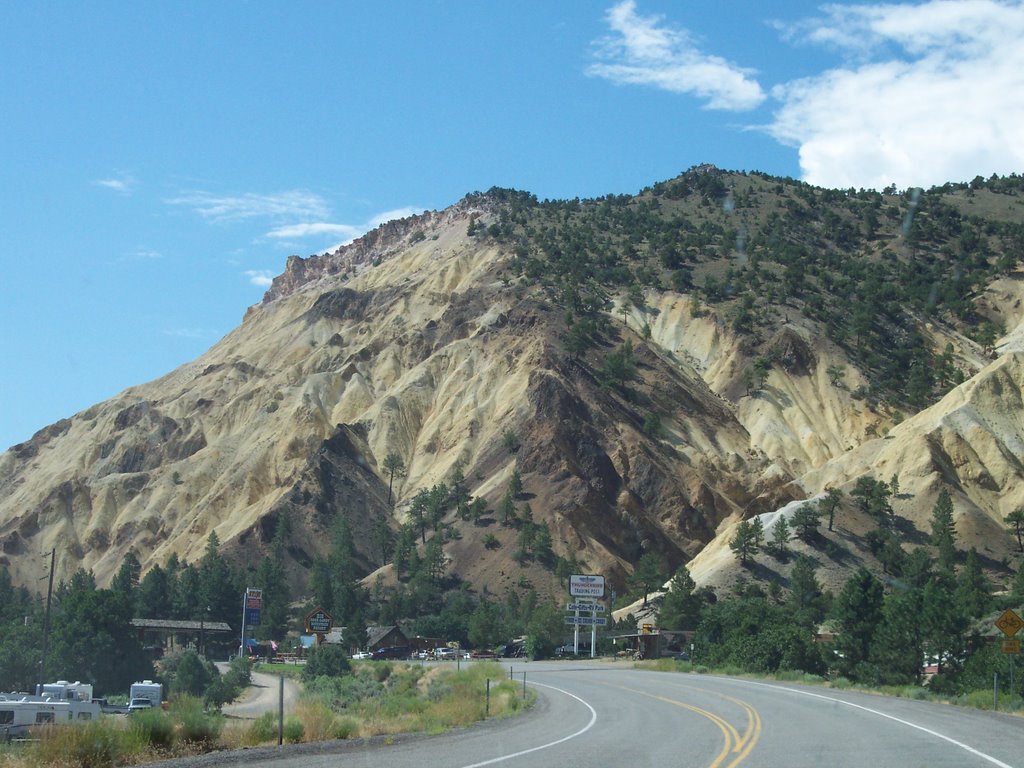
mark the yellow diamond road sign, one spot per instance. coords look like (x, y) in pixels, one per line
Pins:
(1010, 623)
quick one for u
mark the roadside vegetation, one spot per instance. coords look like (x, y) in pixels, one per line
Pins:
(369, 699)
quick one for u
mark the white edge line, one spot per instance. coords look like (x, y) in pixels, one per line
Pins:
(929, 731)
(580, 732)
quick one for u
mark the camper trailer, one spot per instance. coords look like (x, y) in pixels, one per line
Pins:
(62, 690)
(145, 695)
(21, 712)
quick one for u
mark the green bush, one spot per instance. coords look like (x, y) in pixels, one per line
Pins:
(338, 693)
(293, 729)
(154, 727)
(195, 725)
(263, 729)
(345, 728)
(329, 660)
(97, 744)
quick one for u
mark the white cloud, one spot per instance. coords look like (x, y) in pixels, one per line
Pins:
(347, 232)
(312, 229)
(187, 333)
(645, 52)
(397, 213)
(123, 184)
(144, 254)
(292, 204)
(946, 106)
(260, 277)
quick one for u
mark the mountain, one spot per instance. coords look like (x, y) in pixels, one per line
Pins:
(650, 369)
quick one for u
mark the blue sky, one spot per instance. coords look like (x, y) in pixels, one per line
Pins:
(160, 161)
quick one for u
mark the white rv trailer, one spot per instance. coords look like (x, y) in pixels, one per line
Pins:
(21, 712)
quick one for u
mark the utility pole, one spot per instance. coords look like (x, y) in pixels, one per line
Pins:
(46, 622)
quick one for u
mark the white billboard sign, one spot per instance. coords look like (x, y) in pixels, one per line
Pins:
(586, 586)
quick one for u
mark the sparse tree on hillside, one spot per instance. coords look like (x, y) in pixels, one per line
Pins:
(806, 521)
(944, 531)
(510, 440)
(757, 531)
(829, 504)
(394, 466)
(619, 368)
(742, 543)
(779, 543)
(507, 509)
(515, 484)
(1016, 521)
(836, 374)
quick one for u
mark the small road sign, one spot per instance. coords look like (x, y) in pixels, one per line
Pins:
(1011, 646)
(589, 621)
(319, 622)
(1009, 623)
(591, 607)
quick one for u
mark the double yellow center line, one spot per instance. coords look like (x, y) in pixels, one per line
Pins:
(736, 746)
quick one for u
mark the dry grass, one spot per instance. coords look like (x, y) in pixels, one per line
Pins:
(411, 699)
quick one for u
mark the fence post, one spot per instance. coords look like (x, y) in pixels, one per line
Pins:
(280, 710)
(487, 705)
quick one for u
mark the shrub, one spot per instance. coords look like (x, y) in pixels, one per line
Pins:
(262, 729)
(194, 724)
(326, 660)
(97, 744)
(154, 727)
(293, 729)
(345, 728)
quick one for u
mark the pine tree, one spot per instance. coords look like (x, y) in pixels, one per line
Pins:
(830, 503)
(757, 531)
(806, 521)
(647, 576)
(220, 596)
(394, 466)
(858, 610)
(806, 599)
(515, 484)
(944, 531)
(742, 543)
(682, 605)
(1016, 521)
(974, 592)
(779, 543)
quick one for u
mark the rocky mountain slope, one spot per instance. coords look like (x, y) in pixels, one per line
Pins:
(438, 339)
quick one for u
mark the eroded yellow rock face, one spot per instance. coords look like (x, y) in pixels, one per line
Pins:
(417, 341)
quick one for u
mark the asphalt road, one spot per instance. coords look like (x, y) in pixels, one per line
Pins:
(608, 714)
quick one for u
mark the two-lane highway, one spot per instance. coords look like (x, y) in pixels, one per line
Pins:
(607, 714)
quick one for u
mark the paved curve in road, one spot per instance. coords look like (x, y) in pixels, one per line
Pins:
(607, 714)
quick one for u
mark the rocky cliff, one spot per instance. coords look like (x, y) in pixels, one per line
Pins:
(425, 341)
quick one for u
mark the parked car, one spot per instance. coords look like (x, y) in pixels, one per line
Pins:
(137, 705)
(391, 652)
(362, 655)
